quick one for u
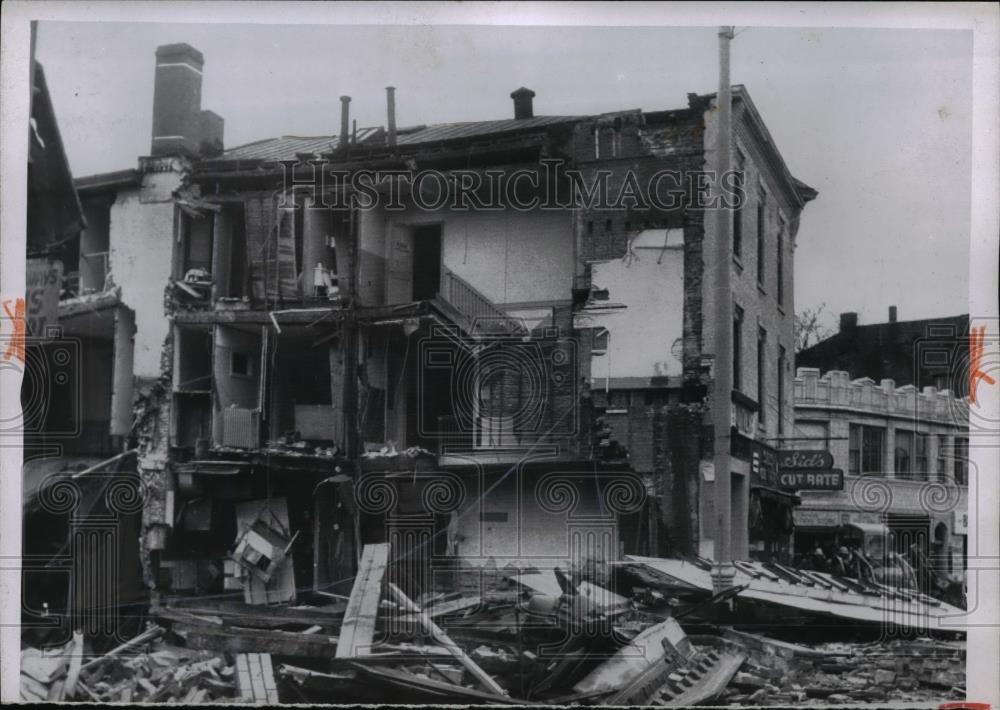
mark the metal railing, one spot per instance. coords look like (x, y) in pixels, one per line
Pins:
(483, 315)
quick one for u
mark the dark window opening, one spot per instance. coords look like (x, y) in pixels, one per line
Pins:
(761, 241)
(239, 364)
(426, 262)
(781, 389)
(740, 182)
(761, 379)
(737, 347)
(866, 449)
(780, 266)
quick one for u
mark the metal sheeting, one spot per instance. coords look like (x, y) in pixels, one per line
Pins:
(452, 131)
(288, 147)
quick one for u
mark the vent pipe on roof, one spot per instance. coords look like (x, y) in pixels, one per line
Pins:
(522, 103)
(345, 123)
(390, 102)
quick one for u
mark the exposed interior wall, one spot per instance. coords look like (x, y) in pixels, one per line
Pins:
(649, 281)
(300, 387)
(513, 520)
(508, 256)
(142, 229)
(235, 389)
(372, 253)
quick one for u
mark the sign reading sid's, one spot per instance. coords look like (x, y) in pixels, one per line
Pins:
(812, 479)
(805, 459)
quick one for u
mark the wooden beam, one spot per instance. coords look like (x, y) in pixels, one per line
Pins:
(362, 608)
(235, 640)
(442, 638)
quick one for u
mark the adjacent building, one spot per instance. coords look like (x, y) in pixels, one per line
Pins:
(902, 445)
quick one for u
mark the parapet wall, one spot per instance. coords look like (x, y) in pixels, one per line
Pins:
(835, 389)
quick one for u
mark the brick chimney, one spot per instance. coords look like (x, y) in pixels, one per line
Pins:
(848, 322)
(892, 314)
(522, 103)
(180, 127)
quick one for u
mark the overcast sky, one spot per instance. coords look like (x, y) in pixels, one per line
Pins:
(878, 121)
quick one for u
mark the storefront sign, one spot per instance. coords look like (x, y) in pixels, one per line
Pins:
(816, 518)
(805, 459)
(812, 480)
(44, 278)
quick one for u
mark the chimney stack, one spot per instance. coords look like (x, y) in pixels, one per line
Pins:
(848, 322)
(390, 99)
(892, 314)
(345, 112)
(180, 127)
(522, 103)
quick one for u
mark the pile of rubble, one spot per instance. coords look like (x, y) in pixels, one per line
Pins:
(547, 637)
(146, 669)
(910, 671)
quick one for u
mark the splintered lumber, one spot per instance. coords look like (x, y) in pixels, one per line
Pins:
(645, 650)
(240, 640)
(255, 679)
(139, 640)
(442, 638)
(75, 665)
(362, 608)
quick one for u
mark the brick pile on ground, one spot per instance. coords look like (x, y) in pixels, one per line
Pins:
(919, 670)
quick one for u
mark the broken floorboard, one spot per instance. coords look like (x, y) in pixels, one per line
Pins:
(442, 638)
(255, 679)
(243, 640)
(248, 615)
(362, 608)
(877, 606)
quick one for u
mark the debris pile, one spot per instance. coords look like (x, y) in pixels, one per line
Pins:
(547, 637)
(146, 669)
(912, 671)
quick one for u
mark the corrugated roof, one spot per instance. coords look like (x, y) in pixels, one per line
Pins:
(453, 131)
(287, 147)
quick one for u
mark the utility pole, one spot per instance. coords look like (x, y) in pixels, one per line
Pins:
(723, 572)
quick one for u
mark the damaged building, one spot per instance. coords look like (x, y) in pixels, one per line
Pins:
(76, 401)
(484, 387)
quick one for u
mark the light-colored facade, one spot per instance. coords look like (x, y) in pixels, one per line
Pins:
(904, 453)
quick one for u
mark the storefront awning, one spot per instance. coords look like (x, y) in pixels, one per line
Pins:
(776, 495)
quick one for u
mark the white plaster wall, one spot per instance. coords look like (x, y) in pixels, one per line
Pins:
(650, 283)
(509, 256)
(141, 244)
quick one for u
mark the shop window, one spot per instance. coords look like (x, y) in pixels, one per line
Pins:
(866, 449)
(961, 462)
(903, 454)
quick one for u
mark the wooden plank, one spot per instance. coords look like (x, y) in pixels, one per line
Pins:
(362, 608)
(76, 664)
(233, 640)
(256, 678)
(267, 673)
(442, 638)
